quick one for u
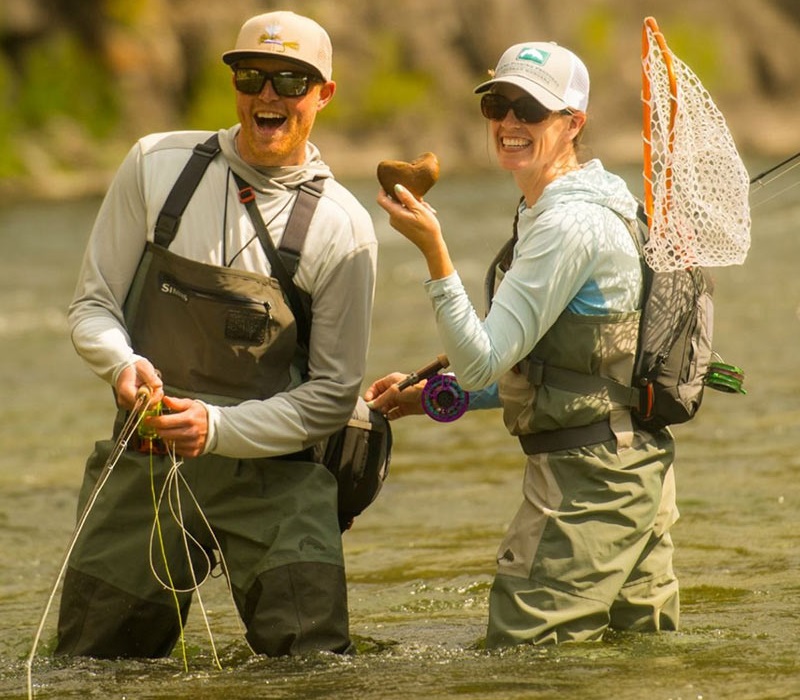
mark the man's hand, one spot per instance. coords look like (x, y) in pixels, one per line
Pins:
(134, 377)
(185, 426)
(384, 396)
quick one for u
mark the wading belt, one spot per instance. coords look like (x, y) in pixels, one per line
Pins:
(566, 438)
(284, 259)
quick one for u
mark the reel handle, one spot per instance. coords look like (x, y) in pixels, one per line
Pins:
(441, 362)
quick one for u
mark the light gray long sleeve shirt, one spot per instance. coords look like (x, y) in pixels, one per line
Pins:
(337, 269)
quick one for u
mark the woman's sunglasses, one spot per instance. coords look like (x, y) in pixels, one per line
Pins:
(526, 108)
(286, 83)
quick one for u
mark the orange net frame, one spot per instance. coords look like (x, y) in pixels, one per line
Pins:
(696, 188)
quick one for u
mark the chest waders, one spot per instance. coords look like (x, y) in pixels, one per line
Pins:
(225, 336)
(589, 547)
(249, 333)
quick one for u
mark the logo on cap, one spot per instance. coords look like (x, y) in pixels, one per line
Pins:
(535, 55)
(272, 34)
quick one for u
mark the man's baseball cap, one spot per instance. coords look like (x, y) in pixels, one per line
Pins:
(553, 75)
(284, 35)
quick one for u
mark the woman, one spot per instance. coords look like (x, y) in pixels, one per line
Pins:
(590, 546)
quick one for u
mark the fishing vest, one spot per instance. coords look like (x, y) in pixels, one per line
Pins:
(556, 398)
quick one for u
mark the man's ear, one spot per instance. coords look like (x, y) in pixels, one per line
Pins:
(326, 93)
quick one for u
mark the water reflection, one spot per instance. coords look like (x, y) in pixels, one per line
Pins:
(421, 558)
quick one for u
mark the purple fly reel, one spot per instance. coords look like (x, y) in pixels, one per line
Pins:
(443, 399)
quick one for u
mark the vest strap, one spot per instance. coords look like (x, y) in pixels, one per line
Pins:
(543, 374)
(297, 227)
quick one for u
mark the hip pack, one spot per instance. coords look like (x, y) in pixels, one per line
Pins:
(359, 453)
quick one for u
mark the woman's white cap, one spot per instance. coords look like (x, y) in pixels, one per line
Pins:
(553, 75)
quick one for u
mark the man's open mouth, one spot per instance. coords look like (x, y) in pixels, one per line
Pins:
(269, 120)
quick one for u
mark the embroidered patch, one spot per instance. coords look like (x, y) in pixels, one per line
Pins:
(271, 36)
(534, 55)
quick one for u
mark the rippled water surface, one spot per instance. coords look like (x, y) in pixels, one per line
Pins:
(420, 560)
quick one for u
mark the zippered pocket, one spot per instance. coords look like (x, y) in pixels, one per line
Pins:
(246, 320)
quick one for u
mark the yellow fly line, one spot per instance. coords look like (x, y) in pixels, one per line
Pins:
(171, 492)
(696, 188)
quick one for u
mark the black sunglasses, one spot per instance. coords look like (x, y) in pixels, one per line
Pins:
(527, 109)
(286, 83)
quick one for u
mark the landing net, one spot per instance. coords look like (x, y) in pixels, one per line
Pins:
(696, 186)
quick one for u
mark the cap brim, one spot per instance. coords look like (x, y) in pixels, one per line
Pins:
(231, 57)
(548, 99)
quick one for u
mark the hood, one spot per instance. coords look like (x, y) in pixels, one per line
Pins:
(270, 179)
(593, 184)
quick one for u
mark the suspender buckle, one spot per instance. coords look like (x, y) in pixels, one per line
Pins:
(247, 195)
(206, 149)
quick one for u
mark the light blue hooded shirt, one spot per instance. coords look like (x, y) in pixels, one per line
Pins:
(573, 252)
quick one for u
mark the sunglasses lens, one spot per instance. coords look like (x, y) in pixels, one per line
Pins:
(526, 109)
(288, 84)
(530, 111)
(250, 81)
(495, 107)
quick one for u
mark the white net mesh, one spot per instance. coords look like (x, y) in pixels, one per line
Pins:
(700, 187)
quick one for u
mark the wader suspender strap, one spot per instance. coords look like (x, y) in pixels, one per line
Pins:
(169, 218)
(294, 235)
(283, 262)
(504, 254)
(291, 244)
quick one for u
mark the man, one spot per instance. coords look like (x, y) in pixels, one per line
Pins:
(201, 321)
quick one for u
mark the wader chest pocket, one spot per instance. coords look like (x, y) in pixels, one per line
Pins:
(244, 320)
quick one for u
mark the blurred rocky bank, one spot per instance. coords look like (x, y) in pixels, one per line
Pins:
(80, 80)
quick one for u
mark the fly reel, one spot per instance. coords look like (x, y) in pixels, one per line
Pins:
(443, 399)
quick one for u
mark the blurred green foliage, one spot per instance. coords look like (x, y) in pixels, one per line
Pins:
(378, 93)
(125, 12)
(698, 47)
(10, 160)
(212, 105)
(62, 78)
(596, 32)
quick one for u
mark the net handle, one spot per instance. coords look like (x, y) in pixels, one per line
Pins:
(650, 28)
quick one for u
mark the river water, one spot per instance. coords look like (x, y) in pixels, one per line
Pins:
(420, 560)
